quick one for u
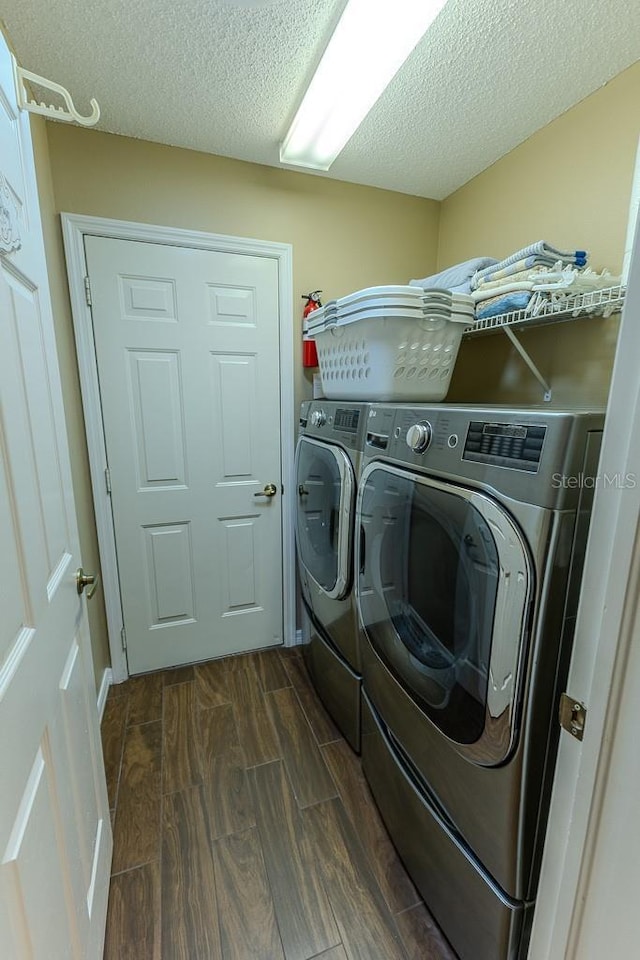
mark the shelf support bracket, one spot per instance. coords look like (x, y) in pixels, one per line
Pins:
(529, 362)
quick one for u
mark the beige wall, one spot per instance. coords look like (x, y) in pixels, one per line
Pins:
(71, 391)
(569, 184)
(344, 237)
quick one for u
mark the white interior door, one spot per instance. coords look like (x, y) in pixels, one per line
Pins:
(55, 834)
(187, 350)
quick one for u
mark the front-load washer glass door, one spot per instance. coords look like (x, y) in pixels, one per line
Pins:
(324, 518)
(443, 587)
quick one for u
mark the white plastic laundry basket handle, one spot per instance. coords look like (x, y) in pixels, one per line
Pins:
(431, 323)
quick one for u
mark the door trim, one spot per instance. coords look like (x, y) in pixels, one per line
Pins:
(74, 229)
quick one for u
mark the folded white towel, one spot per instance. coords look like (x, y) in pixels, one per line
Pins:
(523, 276)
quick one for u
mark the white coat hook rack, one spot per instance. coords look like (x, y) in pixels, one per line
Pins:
(68, 113)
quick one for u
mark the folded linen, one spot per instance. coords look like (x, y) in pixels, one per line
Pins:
(457, 279)
(543, 253)
(536, 263)
(504, 303)
(520, 266)
(524, 276)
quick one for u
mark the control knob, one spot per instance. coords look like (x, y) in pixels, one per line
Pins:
(419, 436)
(318, 418)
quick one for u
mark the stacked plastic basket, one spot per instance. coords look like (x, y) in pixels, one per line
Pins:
(390, 342)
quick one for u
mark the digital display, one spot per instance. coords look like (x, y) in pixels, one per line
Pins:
(505, 430)
(346, 420)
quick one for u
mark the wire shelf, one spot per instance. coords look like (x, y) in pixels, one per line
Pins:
(555, 307)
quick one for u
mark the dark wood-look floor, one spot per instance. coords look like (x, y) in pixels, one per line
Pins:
(244, 828)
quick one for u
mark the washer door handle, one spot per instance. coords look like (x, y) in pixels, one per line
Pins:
(363, 546)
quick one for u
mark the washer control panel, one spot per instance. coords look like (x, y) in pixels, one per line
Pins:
(440, 438)
(505, 444)
(418, 436)
(346, 419)
(519, 453)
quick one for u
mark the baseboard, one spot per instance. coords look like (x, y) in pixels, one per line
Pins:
(105, 683)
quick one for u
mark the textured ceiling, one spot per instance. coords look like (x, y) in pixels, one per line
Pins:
(226, 76)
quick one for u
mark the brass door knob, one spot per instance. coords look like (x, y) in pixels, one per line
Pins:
(270, 490)
(87, 580)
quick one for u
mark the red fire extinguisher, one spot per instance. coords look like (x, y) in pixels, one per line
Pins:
(309, 352)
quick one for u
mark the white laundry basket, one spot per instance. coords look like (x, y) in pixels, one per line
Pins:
(390, 354)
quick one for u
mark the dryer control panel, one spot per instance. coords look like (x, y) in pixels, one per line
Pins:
(334, 422)
(336, 419)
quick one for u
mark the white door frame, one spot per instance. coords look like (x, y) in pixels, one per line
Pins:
(604, 633)
(75, 228)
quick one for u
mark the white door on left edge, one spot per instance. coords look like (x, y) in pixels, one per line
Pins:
(187, 345)
(55, 833)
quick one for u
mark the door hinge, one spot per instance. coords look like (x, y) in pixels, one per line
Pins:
(282, 489)
(107, 479)
(123, 638)
(573, 716)
(87, 291)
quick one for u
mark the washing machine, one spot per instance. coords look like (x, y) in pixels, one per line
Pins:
(472, 526)
(328, 458)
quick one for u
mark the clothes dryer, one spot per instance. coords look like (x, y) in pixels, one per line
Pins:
(327, 462)
(472, 526)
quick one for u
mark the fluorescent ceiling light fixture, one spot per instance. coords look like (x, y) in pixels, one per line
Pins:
(369, 45)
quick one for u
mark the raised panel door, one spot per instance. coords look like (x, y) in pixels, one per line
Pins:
(187, 345)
